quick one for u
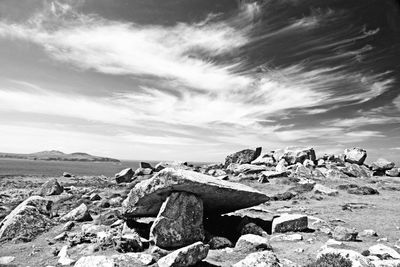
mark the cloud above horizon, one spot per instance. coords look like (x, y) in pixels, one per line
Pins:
(213, 82)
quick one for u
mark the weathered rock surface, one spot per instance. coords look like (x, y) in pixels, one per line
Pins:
(243, 156)
(51, 187)
(356, 258)
(395, 172)
(383, 251)
(289, 223)
(218, 196)
(382, 165)
(185, 256)
(27, 220)
(355, 155)
(80, 214)
(245, 168)
(298, 155)
(124, 176)
(218, 242)
(259, 259)
(354, 170)
(320, 189)
(266, 160)
(179, 222)
(344, 234)
(252, 242)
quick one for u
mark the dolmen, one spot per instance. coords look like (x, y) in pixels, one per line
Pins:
(180, 198)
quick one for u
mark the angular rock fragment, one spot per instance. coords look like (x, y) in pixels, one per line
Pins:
(145, 165)
(266, 160)
(27, 220)
(243, 156)
(355, 155)
(51, 187)
(185, 256)
(218, 196)
(79, 214)
(354, 170)
(179, 222)
(124, 176)
(289, 223)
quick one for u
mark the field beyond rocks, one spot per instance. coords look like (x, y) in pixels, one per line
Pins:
(280, 208)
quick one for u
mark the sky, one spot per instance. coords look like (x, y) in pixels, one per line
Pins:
(196, 80)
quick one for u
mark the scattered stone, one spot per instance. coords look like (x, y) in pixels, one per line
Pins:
(146, 198)
(51, 187)
(354, 170)
(61, 236)
(252, 228)
(245, 168)
(281, 167)
(218, 242)
(356, 258)
(124, 176)
(283, 196)
(320, 189)
(382, 165)
(145, 165)
(395, 172)
(94, 197)
(6, 260)
(143, 171)
(289, 223)
(252, 242)
(344, 234)
(274, 174)
(65, 259)
(266, 160)
(79, 214)
(67, 175)
(128, 243)
(185, 256)
(27, 220)
(259, 259)
(355, 155)
(383, 252)
(179, 222)
(368, 232)
(292, 237)
(298, 155)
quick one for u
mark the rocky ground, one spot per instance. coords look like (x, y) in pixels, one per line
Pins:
(281, 208)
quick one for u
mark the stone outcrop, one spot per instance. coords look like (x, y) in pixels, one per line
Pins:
(51, 187)
(27, 220)
(179, 222)
(124, 176)
(185, 256)
(218, 196)
(355, 155)
(243, 156)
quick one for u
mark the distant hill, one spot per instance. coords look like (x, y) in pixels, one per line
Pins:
(54, 155)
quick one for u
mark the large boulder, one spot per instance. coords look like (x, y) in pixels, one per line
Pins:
(355, 170)
(179, 222)
(51, 187)
(124, 176)
(243, 156)
(298, 155)
(218, 196)
(382, 165)
(344, 234)
(186, 256)
(355, 155)
(27, 220)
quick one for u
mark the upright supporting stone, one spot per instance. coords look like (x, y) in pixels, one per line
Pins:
(179, 222)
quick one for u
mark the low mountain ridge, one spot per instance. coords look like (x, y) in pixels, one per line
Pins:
(55, 155)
